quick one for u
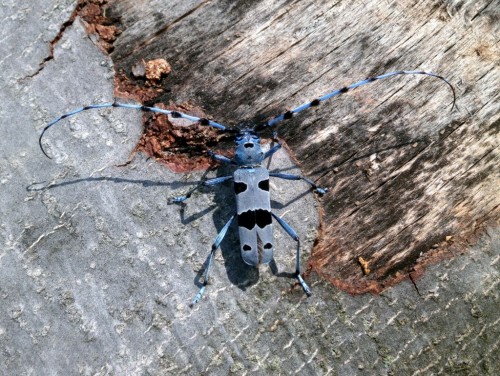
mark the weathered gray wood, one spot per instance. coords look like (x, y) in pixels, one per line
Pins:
(97, 271)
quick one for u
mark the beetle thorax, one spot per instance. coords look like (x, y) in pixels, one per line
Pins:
(248, 149)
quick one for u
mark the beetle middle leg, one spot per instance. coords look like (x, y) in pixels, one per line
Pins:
(318, 190)
(208, 182)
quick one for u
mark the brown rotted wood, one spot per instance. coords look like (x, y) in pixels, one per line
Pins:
(409, 180)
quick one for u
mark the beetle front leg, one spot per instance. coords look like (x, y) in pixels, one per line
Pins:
(221, 158)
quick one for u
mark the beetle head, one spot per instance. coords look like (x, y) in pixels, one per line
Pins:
(248, 148)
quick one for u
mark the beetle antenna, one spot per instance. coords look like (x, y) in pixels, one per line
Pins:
(315, 102)
(174, 114)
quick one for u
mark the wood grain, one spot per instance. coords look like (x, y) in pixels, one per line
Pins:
(410, 180)
(97, 270)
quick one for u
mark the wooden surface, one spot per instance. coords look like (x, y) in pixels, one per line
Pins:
(97, 270)
(410, 181)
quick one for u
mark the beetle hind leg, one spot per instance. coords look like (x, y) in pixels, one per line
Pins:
(295, 237)
(215, 246)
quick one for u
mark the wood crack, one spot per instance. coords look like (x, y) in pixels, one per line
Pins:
(482, 10)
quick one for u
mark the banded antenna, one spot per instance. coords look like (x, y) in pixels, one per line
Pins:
(316, 102)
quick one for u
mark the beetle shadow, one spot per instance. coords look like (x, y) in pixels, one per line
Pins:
(44, 186)
(183, 205)
(238, 272)
(274, 269)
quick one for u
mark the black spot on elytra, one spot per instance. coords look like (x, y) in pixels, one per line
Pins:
(247, 248)
(250, 218)
(264, 185)
(247, 219)
(239, 187)
(263, 217)
(268, 246)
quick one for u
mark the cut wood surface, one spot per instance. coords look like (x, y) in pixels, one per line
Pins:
(409, 179)
(97, 270)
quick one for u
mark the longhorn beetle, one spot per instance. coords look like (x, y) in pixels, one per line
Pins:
(250, 179)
